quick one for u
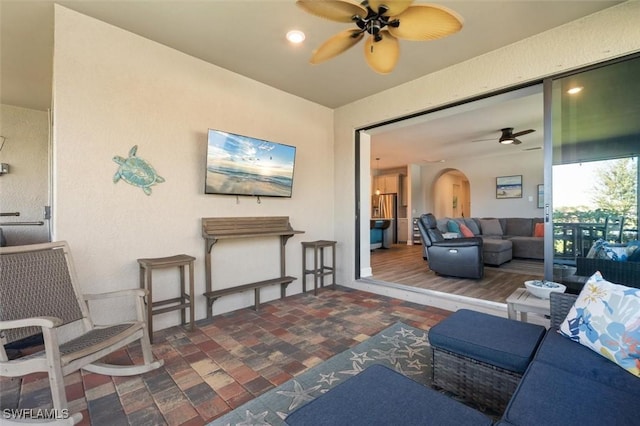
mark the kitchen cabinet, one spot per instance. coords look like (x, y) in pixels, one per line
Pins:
(403, 230)
(403, 191)
(387, 184)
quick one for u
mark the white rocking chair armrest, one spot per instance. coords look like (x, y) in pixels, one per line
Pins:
(135, 292)
(45, 322)
(39, 283)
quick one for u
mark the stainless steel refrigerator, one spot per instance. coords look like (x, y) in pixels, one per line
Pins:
(385, 206)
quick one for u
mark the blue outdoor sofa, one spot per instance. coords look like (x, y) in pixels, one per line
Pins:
(569, 384)
(565, 383)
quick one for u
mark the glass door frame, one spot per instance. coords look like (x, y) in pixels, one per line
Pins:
(547, 149)
(361, 167)
(548, 157)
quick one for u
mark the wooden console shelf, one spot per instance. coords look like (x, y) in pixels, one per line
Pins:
(218, 228)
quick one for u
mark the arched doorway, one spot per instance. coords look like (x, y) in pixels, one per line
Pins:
(451, 194)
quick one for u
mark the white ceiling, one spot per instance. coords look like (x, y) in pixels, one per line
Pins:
(247, 37)
(468, 130)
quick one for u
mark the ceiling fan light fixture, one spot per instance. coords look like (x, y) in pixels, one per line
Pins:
(390, 8)
(507, 137)
(385, 21)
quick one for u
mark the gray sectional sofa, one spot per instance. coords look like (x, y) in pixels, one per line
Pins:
(497, 233)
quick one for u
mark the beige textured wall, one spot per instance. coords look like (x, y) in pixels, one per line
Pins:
(113, 90)
(612, 33)
(482, 178)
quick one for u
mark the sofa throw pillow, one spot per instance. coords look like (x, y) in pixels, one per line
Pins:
(442, 224)
(538, 231)
(602, 249)
(491, 227)
(594, 251)
(472, 225)
(606, 319)
(633, 251)
(465, 231)
(453, 226)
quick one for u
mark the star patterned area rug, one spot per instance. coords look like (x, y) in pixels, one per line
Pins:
(401, 347)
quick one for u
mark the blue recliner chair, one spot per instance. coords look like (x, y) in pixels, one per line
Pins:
(458, 257)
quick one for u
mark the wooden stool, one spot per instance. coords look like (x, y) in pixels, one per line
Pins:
(319, 268)
(182, 302)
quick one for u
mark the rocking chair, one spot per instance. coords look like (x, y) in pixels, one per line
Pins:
(39, 293)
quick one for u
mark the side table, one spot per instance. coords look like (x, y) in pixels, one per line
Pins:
(522, 301)
(319, 268)
(182, 302)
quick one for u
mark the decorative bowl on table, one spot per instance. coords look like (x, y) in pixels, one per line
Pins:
(542, 288)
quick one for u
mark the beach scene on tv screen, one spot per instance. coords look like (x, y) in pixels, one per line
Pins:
(241, 165)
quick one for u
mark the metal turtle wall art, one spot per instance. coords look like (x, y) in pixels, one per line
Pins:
(136, 171)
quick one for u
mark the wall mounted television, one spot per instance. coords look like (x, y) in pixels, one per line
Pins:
(242, 165)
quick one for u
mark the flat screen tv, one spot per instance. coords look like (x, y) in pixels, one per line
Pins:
(242, 165)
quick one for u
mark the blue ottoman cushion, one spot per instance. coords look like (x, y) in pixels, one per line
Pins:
(381, 396)
(501, 342)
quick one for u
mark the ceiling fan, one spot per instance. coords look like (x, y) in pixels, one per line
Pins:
(385, 21)
(508, 137)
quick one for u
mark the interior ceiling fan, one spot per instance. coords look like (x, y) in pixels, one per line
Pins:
(508, 137)
(385, 21)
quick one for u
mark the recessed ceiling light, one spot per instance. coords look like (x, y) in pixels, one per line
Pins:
(295, 36)
(575, 90)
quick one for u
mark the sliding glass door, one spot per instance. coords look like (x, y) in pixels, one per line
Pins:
(595, 138)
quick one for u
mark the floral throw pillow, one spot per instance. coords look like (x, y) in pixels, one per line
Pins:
(602, 249)
(606, 319)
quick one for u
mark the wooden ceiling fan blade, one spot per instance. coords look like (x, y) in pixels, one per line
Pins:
(334, 10)
(426, 22)
(516, 141)
(382, 56)
(394, 7)
(336, 45)
(524, 132)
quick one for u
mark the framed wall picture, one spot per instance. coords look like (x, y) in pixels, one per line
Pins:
(540, 196)
(509, 186)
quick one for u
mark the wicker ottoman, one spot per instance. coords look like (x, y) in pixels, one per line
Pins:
(482, 357)
(381, 396)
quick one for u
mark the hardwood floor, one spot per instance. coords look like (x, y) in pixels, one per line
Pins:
(403, 264)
